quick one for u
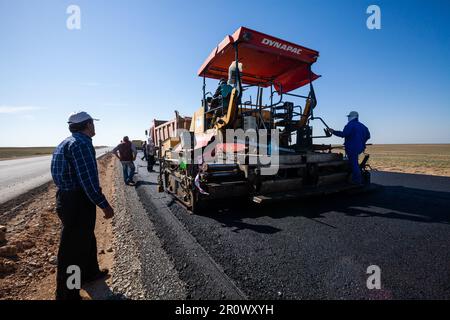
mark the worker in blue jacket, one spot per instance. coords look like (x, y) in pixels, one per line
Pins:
(356, 135)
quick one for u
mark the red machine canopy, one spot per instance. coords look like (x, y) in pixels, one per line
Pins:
(265, 59)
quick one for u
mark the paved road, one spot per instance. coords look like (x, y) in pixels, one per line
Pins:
(22, 175)
(321, 248)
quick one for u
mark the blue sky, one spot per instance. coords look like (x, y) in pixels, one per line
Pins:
(133, 61)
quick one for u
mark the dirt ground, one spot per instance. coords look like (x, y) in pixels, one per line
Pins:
(429, 159)
(33, 228)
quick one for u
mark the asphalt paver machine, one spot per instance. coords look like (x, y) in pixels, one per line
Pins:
(244, 146)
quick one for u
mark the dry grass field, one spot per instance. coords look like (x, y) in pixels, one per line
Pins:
(15, 153)
(431, 159)
(12, 153)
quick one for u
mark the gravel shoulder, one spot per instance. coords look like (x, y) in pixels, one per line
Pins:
(143, 270)
(204, 277)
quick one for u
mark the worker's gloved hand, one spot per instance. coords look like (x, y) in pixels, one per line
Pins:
(109, 212)
(331, 130)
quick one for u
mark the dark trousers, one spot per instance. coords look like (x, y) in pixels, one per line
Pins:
(150, 163)
(78, 245)
(356, 170)
(128, 170)
(145, 157)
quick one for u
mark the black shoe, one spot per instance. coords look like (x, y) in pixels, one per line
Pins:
(97, 276)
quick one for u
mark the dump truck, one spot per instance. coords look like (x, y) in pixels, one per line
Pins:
(165, 134)
(253, 138)
(138, 144)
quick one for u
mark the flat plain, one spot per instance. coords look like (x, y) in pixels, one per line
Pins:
(429, 159)
(13, 153)
(10, 153)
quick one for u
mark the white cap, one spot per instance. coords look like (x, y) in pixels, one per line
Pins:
(352, 115)
(80, 116)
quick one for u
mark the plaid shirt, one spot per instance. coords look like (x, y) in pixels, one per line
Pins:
(74, 167)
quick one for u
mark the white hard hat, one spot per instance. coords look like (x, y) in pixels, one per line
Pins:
(80, 116)
(353, 115)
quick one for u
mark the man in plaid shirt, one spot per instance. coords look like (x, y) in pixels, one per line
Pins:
(74, 171)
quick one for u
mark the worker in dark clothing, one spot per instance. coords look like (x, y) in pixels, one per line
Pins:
(222, 93)
(126, 152)
(151, 152)
(144, 150)
(74, 171)
(356, 135)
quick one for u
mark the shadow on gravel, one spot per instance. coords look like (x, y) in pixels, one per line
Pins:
(388, 202)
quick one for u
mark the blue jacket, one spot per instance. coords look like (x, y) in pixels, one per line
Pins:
(356, 135)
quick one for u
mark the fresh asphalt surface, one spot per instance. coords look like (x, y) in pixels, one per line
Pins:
(22, 175)
(320, 248)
